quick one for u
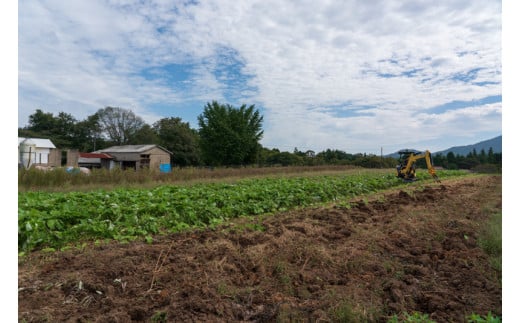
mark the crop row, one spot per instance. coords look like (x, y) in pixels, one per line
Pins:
(54, 220)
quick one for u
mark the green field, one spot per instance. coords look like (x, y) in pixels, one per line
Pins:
(55, 220)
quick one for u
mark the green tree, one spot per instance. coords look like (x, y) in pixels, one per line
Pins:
(285, 158)
(146, 135)
(440, 160)
(87, 134)
(497, 158)
(335, 156)
(472, 160)
(24, 132)
(59, 129)
(268, 157)
(228, 135)
(63, 132)
(298, 153)
(119, 124)
(41, 122)
(491, 156)
(180, 139)
(451, 161)
(482, 156)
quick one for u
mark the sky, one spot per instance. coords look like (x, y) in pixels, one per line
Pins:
(358, 76)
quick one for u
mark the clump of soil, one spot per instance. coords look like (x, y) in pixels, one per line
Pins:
(413, 249)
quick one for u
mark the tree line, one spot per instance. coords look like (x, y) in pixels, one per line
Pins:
(483, 160)
(226, 136)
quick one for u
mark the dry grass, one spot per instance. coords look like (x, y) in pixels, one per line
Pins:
(59, 180)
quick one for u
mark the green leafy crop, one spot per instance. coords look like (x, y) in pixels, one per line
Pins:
(55, 220)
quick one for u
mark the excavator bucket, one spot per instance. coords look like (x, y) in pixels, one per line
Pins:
(434, 175)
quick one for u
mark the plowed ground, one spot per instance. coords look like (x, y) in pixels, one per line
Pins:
(411, 249)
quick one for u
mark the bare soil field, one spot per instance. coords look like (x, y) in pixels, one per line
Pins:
(405, 250)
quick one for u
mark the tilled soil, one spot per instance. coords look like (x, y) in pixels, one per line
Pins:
(406, 250)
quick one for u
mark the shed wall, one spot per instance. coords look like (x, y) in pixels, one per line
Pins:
(55, 158)
(158, 157)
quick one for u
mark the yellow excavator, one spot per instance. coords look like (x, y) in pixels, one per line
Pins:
(406, 167)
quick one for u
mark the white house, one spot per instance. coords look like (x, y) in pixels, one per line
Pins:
(34, 151)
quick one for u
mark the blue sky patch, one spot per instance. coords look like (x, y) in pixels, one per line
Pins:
(485, 83)
(349, 110)
(410, 73)
(188, 111)
(171, 73)
(455, 105)
(467, 76)
(387, 75)
(229, 72)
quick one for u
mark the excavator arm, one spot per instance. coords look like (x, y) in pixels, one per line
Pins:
(429, 164)
(406, 168)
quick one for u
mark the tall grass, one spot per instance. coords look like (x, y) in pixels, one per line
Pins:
(490, 240)
(60, 180)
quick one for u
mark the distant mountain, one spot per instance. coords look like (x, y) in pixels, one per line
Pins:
(495, 144)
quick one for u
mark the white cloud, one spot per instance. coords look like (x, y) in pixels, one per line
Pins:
(303, 60)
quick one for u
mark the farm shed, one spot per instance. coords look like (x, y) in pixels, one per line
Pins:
(35, 151)
(138, 156)
(95, 160)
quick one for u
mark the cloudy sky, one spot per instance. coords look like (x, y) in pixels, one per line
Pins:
(351, 75)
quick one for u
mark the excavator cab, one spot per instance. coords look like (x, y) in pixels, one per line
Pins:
(406, 166)
(404, 172)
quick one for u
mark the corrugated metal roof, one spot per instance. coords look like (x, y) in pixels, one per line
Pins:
(129, 149)
(39, 142)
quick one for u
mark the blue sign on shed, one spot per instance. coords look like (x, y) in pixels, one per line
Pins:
(165, 168)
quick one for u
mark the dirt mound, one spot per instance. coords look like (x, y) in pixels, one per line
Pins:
(408, 250)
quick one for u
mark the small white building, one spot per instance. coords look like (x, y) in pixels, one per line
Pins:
(34, 151)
